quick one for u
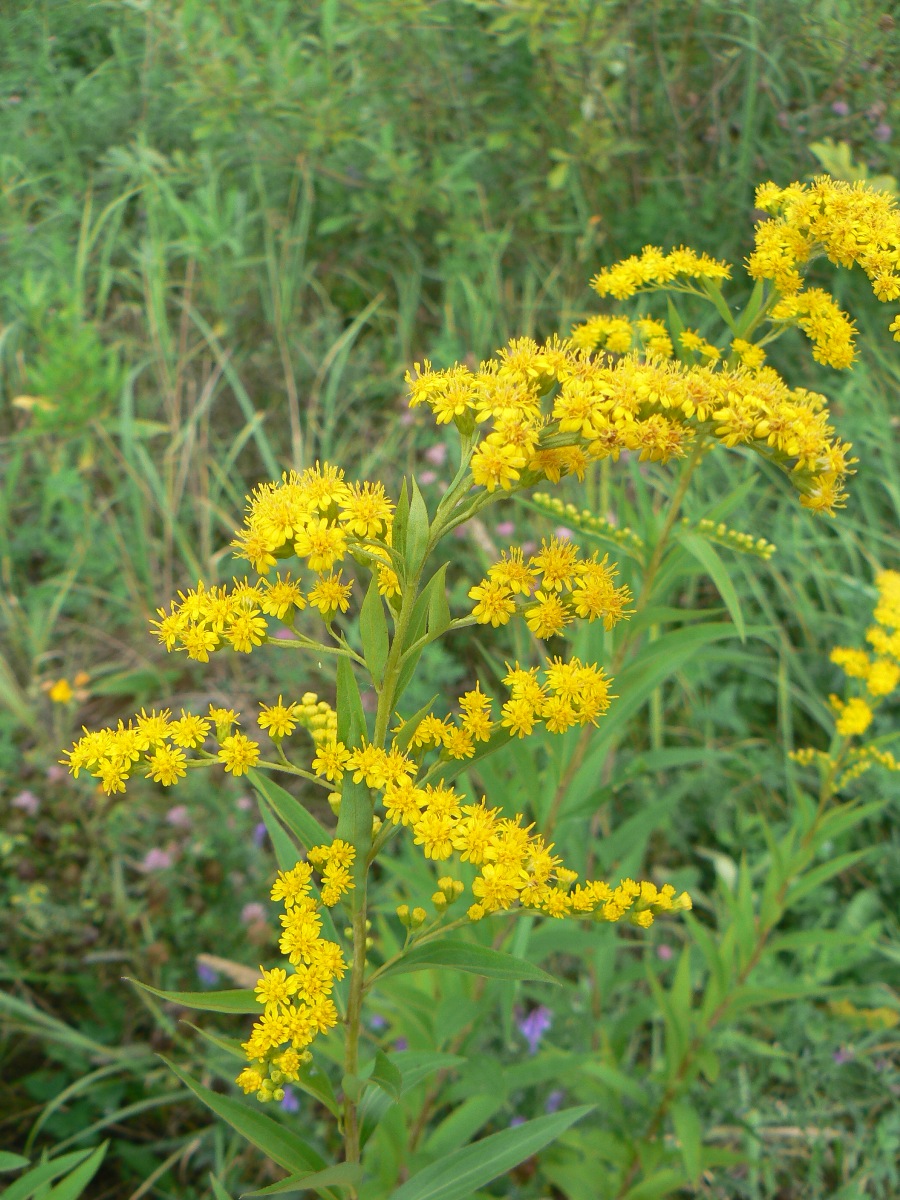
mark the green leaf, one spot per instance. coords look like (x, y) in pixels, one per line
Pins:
(73, 1185)
(290, 811)
(373, 632)
(467, 956)
(615, 1080)
(401, 521)
(351, 718)
(712, 563)
(418, 529)
(44, 1173)
(713, 289)
(316, 1083)
(12, 1162)
(463, 1123)
(689, 1129)
(414, 1066)
(417, 627)
(819, 875)
(230, 1046)
(458, 1175)
(438, 618)
(345, 1174)
(219, 1192)
(237, 1000)
(676, 325)
(748, 316)
(656, 1186)
(280, 1144)
(285, 850)
(386, 1075)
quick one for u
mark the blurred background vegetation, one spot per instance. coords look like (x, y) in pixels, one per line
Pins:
(226, 229)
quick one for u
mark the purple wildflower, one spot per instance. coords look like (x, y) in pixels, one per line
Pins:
(554, 1100)
(252, 913)
(156, 859)
(289, 1101)
(533, 1026)
(207, 976)
(27, 801)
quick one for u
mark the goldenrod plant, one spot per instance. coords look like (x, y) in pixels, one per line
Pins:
(342, 572)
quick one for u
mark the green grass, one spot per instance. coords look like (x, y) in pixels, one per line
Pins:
(226, 230)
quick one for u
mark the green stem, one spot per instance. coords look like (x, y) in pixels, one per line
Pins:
(353, 1020)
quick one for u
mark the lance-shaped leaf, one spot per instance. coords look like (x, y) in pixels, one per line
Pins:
(237, 1000)
(280, 1144)
(461, 1173)
(711, 561)
(301, 823)
(345, 1175)
(417, 529)
(351, 718)
(373, 632)
(466, 956)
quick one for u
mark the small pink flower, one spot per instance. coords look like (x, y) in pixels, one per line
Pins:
(156, 859)
(529, 547)
(427, 477)
(882, 132)
(252, 913)
(179, 816)
(664, 952)
(407, 417)
(284, 635)
(437, 454)
(563, 533)
(505, 529)
(55, 773)
(27, 801)
(841, 108)
(244, 803)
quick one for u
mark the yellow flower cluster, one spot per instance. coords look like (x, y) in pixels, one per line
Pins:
(159, 744)
(693, 343)
(556, 586)
(654, 269)
(851, 223)
(749, 353)
(651, 407)
(618, 335)
(517, 868)
(316, 516)
(865, 1018)
(206, 619)
(829, 328)
(571, 694)
(297, 1002)
(878, 675)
